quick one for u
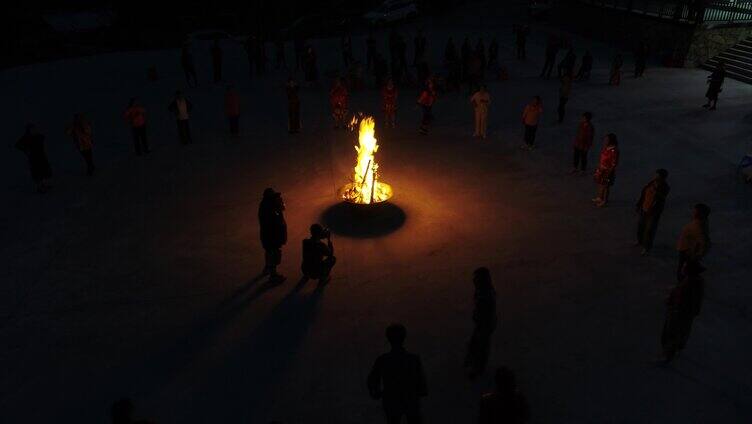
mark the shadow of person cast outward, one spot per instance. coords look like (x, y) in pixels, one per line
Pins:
(649, 208)
(135, 115)
(505, 404)
(80, 131)
(694, 240)
(682, 306)
(273, 232)
(181, 108)
(397, 379)
(484, 319)
(605, 174)
(715, 85)
(318, 257)
(32, 145)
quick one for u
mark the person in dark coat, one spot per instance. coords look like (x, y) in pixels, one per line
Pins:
(615, 77)
(310, 67)
(566, 66)
(505, 404)
(260, 57)
(583, 141)
(484, 318)
(493, 54)
(370, 51)
(453, 65)
(466, 52)
(216, 54)
(32, 145)
(552, 48)
(273, 232)
(397, 379)
(586, 67)
(682, 307)
(249, 45)
(480, 53)
(421, 45)
(293, 107)
(380, 69)
(715, 86)
(521, 32)
(640, 58)
(189, 67)
(279, 53)
(318, 257)
(649, 209)
(346, 45)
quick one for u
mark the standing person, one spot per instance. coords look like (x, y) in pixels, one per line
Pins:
(279, 53)
(715, 85)
(425, 101)
(421, 44)
(346, 44)
(480, 101)
(389, 97)
(582, 143)
(452, 62)
(484, 318)
(135, 115)
(370, 51)
(505, 404)
(565, 89)
(181, 108)
(402, 58)
(189, 67)
(318, 257)
(682, 307)
(694, 240)
(380, 70)
(32, 145)
(311, 69)
(566, 66)
(606, 172)
(521, 32)
(216, 53)
(273, 232)
(615, 78)
(232, 109)
(338, 97)
(493, 53)
(649, 209)
(397, 379)
(552, 48)
(641, 58)
(530, 118)
(466, 53)
(260, 58)
(299, 47)
(250, 51)
(480, 52)
(586, 67)
(293, 107)
(81, 132)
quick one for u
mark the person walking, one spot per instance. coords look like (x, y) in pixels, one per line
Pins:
(521, 32)
(530, 117)
(480, 101)
(585, 67)
(565, 89)
(682, 307)
(425, 101)
(397, 379)
(715, 85)
(606, 172)
(32, 145)
(338, 98)
(232, 109)
(505, 404)
(293, 107)
(318, 257)
(552, 48)
(80, 131)
(484, 318)
(181, 108)
(216, 54)
(273, 232)
(566, 66)
(189, 67)
(649, 209)
(694, 240)
(615, 78)
(583, 141)
(641, 58)
(299, 47)
(135, 115)
(389, 99)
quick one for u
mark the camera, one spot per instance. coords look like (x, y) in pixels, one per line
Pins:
(326, 233)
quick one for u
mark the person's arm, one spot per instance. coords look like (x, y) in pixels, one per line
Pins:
(374, 380)
(641, 199)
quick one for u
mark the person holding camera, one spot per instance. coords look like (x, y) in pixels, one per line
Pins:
(273, 232)
(318, 257)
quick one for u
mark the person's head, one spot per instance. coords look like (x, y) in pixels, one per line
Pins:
(290, 81)
(482, 87)
(396, 334)
(178, 94)
(31, 129)
(701, 211)
(482, 280)
(505, 380)
(611, 140)
(318, 232)
(537, 100)
(79, 119)
(121, 411)
(429, 83)
(587, 117)
(132, 102)
(661, 174)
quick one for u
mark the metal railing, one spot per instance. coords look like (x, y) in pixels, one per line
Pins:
(728, 12)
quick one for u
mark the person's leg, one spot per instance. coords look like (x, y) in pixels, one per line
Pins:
(533, 130)
(483, 123)
(89, 159)
(144, 140)
(476, 133)
(188, 131)
(651, 228)
(181, 132)
(583, 160)
(641, 221)
(136, 140)
(606, 192)
(683, 258)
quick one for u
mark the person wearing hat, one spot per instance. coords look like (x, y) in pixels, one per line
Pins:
(273, 232)
(318, 257)
(649, 209)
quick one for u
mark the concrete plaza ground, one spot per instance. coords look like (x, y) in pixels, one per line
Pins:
(142, 281)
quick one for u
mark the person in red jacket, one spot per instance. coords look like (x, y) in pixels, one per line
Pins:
(389, 97)
(530, 117)
(606, 172)
(135, 115)
(338, 100)
(232, 109)
(583, 141)
(425, 101)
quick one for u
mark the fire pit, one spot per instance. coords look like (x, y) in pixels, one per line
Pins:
(365, 187)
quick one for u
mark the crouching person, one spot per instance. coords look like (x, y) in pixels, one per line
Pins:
(318, 256)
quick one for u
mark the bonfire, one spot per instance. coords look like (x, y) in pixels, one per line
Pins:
(365, 187)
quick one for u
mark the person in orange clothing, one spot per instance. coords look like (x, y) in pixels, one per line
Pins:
(389, 96)
(606, 172)
(135, 115)
(530, 118)
(425, 101)
(80, 131)
(338, 100)
(232, 109)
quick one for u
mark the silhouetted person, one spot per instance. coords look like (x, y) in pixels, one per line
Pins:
(484, 318)
(530, 117)
(260, 57)
(606, 172)
(181, 108)
(346, 45)
(649, 209)
(583, 141)
(318, 257)
(566, 66)
(682, 306)
(565, 89)
(279, 53)
(397, 379)
(135, 115)
(380, 69)
(32, 145)
(586, 67)
(715, 86)
(480, 101)
(273, 232)
(250, 51)
(521, 32)
(311, 70)
(694, 240)
(425, 101)
(641, 58)
(338, 100)
(293, 107)
(454, 66)
(466, 53)
(82, 135)
(299, 45)
(615, 77)
(232, 109)
(552, 48)
(216, 54)
(480, 52)
(493, 54)
(421, 45)
(389, 100)
(505, 405)
(370, 52)
(189, 67)
(121, 412)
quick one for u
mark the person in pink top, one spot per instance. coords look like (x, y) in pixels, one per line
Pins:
(530, 118)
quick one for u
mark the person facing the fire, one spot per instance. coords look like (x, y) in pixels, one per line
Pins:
(273, 232)
(318, 257)
(338, 101)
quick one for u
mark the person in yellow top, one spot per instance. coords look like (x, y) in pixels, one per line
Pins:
(480, 101)
(694, 240)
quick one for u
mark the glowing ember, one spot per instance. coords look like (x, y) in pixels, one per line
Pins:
(365, 187)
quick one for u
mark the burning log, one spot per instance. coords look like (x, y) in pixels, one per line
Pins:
(365, 187)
